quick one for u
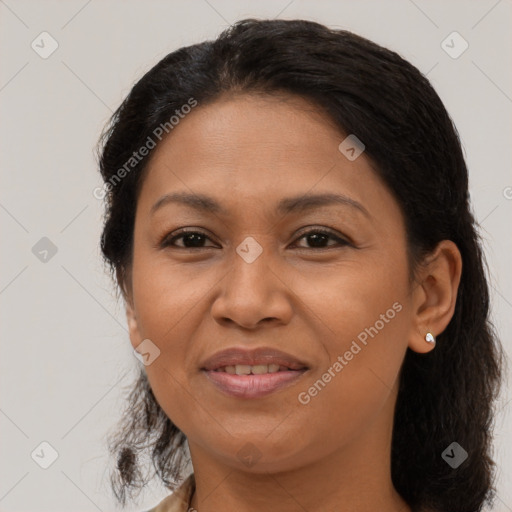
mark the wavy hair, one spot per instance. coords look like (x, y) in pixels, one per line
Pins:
(414, 147)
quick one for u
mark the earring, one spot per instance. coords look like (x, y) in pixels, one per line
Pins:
(429, 338)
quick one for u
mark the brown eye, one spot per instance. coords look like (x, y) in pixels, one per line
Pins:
(317, 238)
(191, 240)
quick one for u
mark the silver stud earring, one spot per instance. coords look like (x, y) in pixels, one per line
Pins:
(429, 338)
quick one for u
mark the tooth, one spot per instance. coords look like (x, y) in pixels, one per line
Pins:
(243, 369)
(258, 369)
(230, 369)
(272, 368)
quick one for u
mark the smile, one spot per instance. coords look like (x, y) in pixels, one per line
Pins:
(244, 381)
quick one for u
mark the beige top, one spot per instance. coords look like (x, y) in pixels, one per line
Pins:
(179, 500)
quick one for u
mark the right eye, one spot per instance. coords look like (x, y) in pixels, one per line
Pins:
(191, 239)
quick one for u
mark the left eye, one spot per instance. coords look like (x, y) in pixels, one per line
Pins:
(318, 237)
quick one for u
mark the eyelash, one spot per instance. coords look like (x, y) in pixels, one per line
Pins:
(168, 241)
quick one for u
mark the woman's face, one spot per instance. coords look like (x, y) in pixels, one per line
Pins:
(341, 303)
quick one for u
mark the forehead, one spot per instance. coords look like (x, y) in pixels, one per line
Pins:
(251, 129)
(258, 149)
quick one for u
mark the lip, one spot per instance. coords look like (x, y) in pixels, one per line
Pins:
(262, 355)
(253, 386)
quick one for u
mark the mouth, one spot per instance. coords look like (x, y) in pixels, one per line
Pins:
(257, 369)
(253, 385)
(252, 374)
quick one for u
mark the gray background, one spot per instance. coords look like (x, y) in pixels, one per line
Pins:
(66, 358)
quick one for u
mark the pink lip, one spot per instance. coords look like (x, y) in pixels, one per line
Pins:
(252, 386)
(261, 355)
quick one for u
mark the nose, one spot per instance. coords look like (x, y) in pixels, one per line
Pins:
(253, 293)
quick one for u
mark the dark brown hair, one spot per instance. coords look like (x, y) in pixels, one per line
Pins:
(413, 145)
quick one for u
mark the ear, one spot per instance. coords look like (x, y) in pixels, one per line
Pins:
(435, 295)
(124, 280)
(133, 324)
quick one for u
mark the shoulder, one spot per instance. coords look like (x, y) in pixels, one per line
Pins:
(179, 500)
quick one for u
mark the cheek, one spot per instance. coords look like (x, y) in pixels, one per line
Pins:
(362, 321)
(361, 298)
(169, 303)
(366, 342)
(166, 294)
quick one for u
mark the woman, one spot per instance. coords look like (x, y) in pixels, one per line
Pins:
(288, 219)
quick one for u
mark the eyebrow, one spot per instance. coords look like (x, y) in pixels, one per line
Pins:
(288, 205)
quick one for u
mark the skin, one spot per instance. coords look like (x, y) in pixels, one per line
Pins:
(333, 453)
